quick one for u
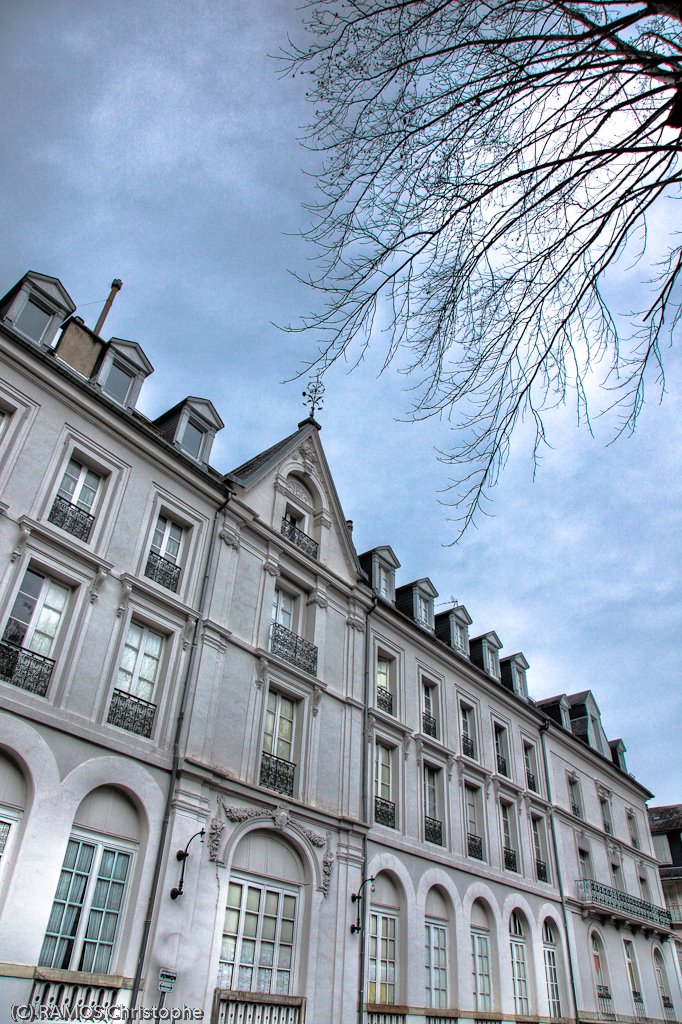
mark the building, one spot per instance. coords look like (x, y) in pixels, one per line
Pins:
(244, 771)
(666, 831)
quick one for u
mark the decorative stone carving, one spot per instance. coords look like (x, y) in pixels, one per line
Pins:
(126, 591)
(96, 584)
(215, 832)
(315, 838)
(24, 534)
(327, 866)
(318, 598)
(230, 536)
(317, 697)
(188, 631)
(280, 818)
(271, 567)
(241, 813)
(451, 765)
(261, 676)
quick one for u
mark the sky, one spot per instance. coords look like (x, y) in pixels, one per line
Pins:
(154, 141)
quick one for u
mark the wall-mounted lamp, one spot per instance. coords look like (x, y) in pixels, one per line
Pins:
(357, 898)
(182, 856)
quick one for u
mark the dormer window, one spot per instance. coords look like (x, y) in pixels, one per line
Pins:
(36, 306)
(34, 320)
(124, 369)
(192, 439)
(118, 383)
(385, 582)
(491, 661)
(191, 426)
(423, 610)
(452, 627)
(416, 601)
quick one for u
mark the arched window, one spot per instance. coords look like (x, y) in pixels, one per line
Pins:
(12, 803)
(549, 951)
(85, 921)
(663, 988)
(519, 963)
(601, 978)
(436, 948)
(384, 921)
(259, 944)
(633, 977)
(480, 958)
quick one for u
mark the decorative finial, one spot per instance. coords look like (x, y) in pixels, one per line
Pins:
(313, 395)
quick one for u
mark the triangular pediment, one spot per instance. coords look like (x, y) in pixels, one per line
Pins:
(53, 289)
(292, 480)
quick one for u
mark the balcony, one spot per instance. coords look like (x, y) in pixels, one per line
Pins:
(468, 747)
(668, 1008)
(384, 700)
(71, 998)
(256, 1008)
(293, 648)
(162, 571)
(384, 812)
(131, 713)
(531, 781)
(474, 846)
(576, 810)
(24, 668)
(502, 765)
(640, 1012)
(433, 830)
(429, 724)
(541, 870)
(604, 1001)
(510, 859)
(599, 897)
(608, 828)
(299, 538)
(71, 518)
(277, 774)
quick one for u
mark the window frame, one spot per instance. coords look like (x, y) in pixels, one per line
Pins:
(383, 967)
(468, 728)
(482, 989)
(518, 951)
(436, 995)
(550, 957)
(502, 749)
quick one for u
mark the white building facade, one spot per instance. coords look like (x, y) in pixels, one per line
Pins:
(244, 772)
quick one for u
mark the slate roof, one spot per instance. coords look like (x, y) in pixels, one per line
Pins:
(247, 469)
(666, 819)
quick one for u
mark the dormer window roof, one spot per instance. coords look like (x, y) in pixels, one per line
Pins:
(484, 653)
(123, 370)
(452, 627)
(618, 748)
(416, 600)
(36, 307)
(191, 425)
(513, 674)
(380, 565)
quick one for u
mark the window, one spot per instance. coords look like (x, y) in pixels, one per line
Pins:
(663, 988)
(258, 945)
(73, 504)
(517, 945)
(34, 320)
(574, 797)
(508, 836)
(84, 921)
(31, 631)
(480, 957)
(501, 749)
(584, 863)
(294, 529)
(530, 762)
(633, 976)
(430, 705)
(277, 768)
(605, 805)
(436, 963)
(433, 826)
(131, 706)
(382, 974)
(634, 831)
(385, 580)
(162, 561)
(284, 639)
(192, 439)
(549, 952)
(466, 714)
(539, 848)
(384, 806)
(460, 636)
(472, 816)
(617, 876)
(644, 884)
(423, 610)
(491, 661)
(118, 382)
(385, 683)
(600, 975)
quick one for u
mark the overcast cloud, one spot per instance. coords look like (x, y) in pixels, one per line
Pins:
(153, 141)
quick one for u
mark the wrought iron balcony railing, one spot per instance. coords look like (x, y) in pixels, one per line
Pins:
(474, 846)
(640, 1012)
(502, 765)
(608, 828)
(261, 1008)
(510, 860)
(577, 810)
(385, 700)
(384, 812)
(72, 998)
(604, 1001)
(299, 538)
(71, 518)
(600, 895)
(162, 571)
(277, 774)
(668, 1008)
(131, 713)
(429, 724)
(468, 747)
(531, 781)
(541, 870)
(24, 668)
(293, 648)
(433, 830)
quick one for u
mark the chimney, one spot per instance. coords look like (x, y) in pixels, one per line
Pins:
(116, 286)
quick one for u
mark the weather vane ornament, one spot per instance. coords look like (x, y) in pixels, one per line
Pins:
(314, 395)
